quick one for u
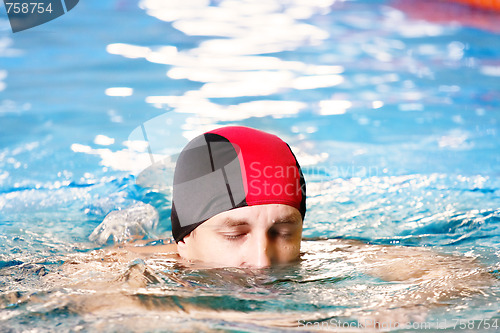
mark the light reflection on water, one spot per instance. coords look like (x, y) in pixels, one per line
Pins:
(226, 64)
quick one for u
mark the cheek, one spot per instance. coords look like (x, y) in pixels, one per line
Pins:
(221, 252)
(289, 250)
(201, 247)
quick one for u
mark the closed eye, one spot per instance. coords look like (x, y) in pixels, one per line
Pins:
(285, 234)
(233, 237)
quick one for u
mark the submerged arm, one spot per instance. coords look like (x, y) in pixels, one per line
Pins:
(439, 276)
(421, 279)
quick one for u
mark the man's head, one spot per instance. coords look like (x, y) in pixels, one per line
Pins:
(238, 199)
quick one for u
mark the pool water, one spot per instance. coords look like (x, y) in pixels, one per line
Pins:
(393, 111)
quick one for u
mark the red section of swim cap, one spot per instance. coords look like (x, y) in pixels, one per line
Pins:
(269, 169)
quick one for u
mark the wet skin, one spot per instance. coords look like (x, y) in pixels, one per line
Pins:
(254, 236)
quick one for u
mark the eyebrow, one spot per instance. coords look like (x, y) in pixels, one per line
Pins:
(287, 220)
(233, 223)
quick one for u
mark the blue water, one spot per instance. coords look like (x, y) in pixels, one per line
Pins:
(392, 110)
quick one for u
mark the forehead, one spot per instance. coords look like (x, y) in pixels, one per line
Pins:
(253, 215)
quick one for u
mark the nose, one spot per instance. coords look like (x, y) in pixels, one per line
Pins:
(260, 253)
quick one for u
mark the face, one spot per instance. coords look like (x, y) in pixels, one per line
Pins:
(255, 236)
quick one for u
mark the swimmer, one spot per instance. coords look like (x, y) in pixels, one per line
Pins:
(239, 200)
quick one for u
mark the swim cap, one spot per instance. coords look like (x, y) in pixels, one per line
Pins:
(233, 167)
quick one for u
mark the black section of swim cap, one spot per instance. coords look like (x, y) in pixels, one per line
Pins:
(207, 181)
(177, 231)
